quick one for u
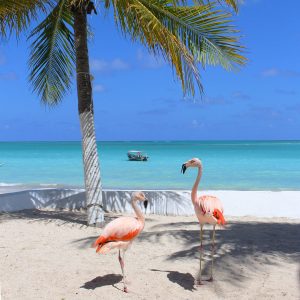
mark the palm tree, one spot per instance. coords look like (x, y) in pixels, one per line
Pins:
(183, 34)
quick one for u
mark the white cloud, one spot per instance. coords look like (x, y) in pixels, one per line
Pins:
(116, 64)
(270, 72)
(196, 124)
(246, 2)
(240, 95)
(98, 65)
(206, 100)
(8, 76)
(273, 72)
(98, 88)
(149, 61)
(214, 100)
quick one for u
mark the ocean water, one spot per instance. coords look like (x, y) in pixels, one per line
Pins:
(226, 165)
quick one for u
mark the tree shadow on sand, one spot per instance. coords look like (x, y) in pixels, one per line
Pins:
(242, 245)
(100, 281)
(86, 242)
(64, 217)
(61, 217)
(185, 280)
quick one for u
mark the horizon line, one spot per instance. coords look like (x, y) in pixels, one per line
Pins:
(204, 140)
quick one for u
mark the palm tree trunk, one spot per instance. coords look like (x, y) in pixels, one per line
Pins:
(92, 177)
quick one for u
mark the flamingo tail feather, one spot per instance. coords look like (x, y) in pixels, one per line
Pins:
(219, 216)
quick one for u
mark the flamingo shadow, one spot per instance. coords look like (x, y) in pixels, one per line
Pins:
(185, 280)
(100, 281)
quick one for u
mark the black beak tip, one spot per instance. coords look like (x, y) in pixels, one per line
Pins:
(146, 204)
(183, 168)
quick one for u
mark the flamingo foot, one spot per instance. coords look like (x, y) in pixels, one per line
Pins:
(198, 282)
(125, 290)
(211, 279)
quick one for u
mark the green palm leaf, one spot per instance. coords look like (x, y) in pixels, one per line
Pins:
(231, 3)
(205, 31)
(182, 34)
(16, 15)
(52, 55)
(144, 26)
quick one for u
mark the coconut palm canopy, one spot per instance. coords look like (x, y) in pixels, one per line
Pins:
(183, 34)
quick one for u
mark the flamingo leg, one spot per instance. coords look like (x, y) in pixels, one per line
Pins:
(122, 264)
(212, 253)
(199, 282)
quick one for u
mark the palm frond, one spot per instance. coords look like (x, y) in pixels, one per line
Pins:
(207, 32)
(231, 3)
(52, 56)
(16, 15)
(133, 17)
(182, 34)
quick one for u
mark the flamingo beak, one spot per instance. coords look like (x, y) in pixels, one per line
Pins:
(183, 168)
(146, 204)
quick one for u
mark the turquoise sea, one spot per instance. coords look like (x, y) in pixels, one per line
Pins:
(261, 165)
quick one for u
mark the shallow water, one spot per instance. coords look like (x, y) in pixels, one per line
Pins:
(227, 165)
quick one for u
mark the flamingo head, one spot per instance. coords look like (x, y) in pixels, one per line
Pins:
(194, 163)
(140, 196)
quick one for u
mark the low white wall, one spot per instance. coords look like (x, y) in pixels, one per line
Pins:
(42, 199)
(236, 203)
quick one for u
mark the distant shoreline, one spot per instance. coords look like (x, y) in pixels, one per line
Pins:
(17, 187)
(143, 141)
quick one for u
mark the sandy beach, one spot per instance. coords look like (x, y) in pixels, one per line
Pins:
(47, 255)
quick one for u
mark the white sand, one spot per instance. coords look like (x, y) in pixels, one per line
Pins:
(46, 255)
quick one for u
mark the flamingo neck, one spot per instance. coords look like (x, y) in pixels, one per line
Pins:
(196, 184)
(137, 210)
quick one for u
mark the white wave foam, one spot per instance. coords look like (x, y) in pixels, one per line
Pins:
(9, 184)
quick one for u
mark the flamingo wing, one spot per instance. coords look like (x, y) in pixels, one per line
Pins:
(209, 203)
(121, 229)
(213, 206)
(105, 248)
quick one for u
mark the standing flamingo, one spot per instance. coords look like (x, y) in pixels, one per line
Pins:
(208, 209)
(121, 232)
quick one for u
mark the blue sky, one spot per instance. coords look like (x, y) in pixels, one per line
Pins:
(137, 97)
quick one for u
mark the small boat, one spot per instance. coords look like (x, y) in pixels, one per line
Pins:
(137, 155)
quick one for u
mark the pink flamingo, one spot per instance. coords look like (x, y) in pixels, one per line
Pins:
(208, 209)
(121, 232)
